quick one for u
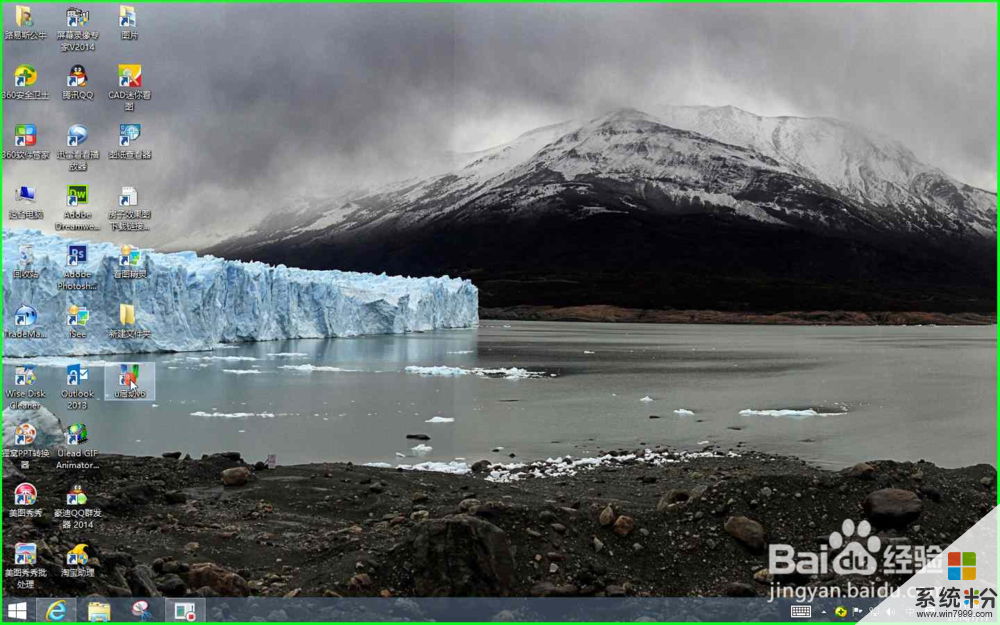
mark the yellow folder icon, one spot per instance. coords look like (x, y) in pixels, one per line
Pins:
(99, 612)
(126, 312)
(23, 16)
(128, 13)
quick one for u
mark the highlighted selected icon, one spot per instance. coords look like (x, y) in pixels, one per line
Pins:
(58, 612)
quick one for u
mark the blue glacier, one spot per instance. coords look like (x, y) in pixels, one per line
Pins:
(188, 302)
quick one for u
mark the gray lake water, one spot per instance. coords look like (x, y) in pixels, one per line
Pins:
(901, 393)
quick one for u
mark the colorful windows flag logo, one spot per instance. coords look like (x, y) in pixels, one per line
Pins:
(961, 565)
(971, 597)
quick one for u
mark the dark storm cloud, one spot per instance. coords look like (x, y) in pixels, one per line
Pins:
(256, 106)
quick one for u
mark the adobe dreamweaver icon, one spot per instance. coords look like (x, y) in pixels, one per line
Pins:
(961, 565)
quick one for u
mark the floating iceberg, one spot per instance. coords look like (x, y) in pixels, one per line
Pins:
(508, 373)
(789, 413)
(188, 302)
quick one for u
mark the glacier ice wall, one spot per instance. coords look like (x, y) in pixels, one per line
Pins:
(190, 303)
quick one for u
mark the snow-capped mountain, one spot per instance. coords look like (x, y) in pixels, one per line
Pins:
(863, 165)
(719, 185)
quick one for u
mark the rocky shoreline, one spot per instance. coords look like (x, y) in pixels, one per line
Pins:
(684, 525)
(618, 314)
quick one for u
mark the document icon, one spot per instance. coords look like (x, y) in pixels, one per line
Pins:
(129, 197)
(127, 314)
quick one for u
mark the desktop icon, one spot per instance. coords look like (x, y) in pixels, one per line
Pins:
(23, 16)
(25, 135)
(77, 18)
(126, 313)
(26, 254)
(25, 495)
(98, 612)
(25, 76)
(77, 76)
(77, 316)
(140, 610)
(126, 16)
(77, 194)
(129, 257)
(77, 556)
(24, 434)
(130, 75)
(24, 376)
(25, 316)
(129, 197)
(129, 376)
(76, 255)
(77, 135)
(24, 193)
(76, 497)
(57, 612)
(76, 373)
(76, 434)
(25, 553)
(127, 133)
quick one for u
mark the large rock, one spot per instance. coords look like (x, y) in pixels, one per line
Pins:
(10, 472)
(862, 470)
(747, 531)
(226, 583)
(673, 497)
(49, 431)
(892, 507)
(236, 476)
(461, 556)
(607, 516)
(624, 525)
(171, 585)
(738, 589)
(140, 581)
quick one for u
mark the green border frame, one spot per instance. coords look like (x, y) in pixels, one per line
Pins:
(943, 3)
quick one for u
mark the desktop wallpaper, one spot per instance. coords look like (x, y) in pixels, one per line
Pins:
(507, 301)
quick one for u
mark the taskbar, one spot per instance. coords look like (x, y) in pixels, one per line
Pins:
(328, 610)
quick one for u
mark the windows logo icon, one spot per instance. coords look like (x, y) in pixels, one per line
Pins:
(961, 565)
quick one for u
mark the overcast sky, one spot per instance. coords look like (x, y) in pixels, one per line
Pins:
(254, 106)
